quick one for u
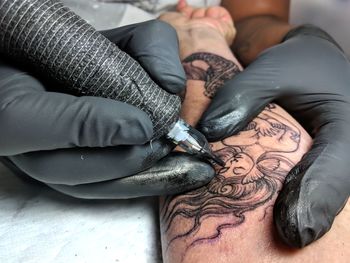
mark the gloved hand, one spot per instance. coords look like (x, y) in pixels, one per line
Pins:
(309, 76)
(34, 121)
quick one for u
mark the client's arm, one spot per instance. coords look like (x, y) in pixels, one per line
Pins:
(230, 219)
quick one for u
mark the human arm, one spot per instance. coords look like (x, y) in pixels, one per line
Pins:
(230, 219)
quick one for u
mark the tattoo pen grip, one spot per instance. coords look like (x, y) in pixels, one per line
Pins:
(50, 37)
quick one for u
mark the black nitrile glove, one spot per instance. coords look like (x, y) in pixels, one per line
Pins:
(100, 174)
(34, 121)
(309, 76)
(154, 45)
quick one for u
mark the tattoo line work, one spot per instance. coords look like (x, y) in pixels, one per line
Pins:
(256, 164)
(214, 70)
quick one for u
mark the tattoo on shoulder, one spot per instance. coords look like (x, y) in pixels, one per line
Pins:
(214, 70)
(256, 163)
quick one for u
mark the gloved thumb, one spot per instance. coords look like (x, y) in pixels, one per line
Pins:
(316, 189)
(235, 105)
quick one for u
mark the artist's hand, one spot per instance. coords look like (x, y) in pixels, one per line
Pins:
(309, 76)
(34, 121)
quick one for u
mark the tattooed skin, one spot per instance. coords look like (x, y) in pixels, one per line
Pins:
(214, 70)
(257, 161)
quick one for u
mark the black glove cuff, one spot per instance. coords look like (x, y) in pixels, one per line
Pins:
(312, 30)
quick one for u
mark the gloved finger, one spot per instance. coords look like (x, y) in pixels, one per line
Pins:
(154, 45)
(15, 170)
(174, 174)
(316, 189)
(90, 165)
(38, 120)
(235, 105)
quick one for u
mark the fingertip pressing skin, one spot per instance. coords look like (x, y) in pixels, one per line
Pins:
(316, 190)
(224, 119)
(300, 221)
(306, 209)
(188, 173)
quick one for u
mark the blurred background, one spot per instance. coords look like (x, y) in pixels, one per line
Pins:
(331, 15)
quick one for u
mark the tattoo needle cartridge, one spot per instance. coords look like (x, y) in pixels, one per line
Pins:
(192, 141)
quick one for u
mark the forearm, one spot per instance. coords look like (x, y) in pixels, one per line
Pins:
(202, 224)
(199, 58)
(235, 208)
(230, 219)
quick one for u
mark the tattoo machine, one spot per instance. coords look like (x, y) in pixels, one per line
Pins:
(49, 36)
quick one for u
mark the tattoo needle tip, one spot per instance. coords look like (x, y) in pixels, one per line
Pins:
(215, 158)
(218, 160)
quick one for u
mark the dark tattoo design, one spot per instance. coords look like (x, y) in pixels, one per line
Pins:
(210, 68)
(256, 164)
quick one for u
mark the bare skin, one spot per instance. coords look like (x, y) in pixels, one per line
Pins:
(215, 27)
(230, 219)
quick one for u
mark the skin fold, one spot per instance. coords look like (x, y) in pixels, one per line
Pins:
(230, 219)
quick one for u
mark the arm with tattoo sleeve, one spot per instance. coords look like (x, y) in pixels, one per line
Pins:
(230, 219)
(306, 72)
